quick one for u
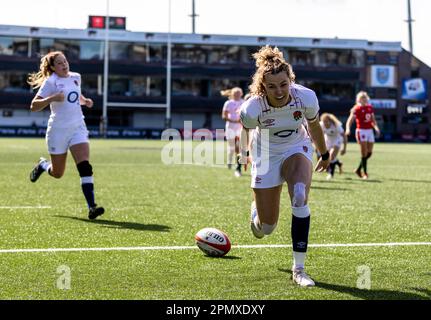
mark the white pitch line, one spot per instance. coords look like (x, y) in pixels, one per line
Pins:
(25, 207)
(258, 246)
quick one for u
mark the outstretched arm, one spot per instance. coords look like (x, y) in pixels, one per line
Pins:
(343, 151)
(318, 138)
(244, 142)
(349, 122)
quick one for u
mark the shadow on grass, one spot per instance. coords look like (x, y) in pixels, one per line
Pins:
(329, 188)
(372, 294)
(122, 225)
(345, 178)
(409, 180)
(224, 257)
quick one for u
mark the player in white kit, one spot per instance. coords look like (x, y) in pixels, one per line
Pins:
(61, 90)
(281, 150)
(334, 138)
(230, 114)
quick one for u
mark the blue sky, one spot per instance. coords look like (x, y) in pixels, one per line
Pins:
(378, 20)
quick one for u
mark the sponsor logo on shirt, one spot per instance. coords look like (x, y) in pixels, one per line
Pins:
(258, 180)
(269, 122)
(305, 148)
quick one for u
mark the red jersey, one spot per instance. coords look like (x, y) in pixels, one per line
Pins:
(363, 116)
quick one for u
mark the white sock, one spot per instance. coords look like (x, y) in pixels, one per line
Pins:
(298, 260)
(256, 222)
(46, 165)
(230, 155)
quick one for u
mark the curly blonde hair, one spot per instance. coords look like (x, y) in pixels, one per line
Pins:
(36, 79)
(332, 118)
(268, 61)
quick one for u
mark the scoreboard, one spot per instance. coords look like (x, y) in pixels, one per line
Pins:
(98, 22)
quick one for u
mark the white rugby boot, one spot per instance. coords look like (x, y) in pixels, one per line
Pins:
(301, 278)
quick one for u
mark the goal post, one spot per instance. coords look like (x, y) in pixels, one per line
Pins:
(106, 103)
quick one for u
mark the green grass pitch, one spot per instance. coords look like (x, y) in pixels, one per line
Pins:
(152, 204)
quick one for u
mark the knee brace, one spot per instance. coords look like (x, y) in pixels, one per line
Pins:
(298, 195)
(267, 229)
(85, 169)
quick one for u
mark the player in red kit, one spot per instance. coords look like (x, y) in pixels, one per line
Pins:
(363, 112)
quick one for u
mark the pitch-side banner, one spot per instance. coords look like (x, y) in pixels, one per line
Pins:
(384, 103)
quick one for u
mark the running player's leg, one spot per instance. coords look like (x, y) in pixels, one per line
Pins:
(56, 141)
(230, 147)
(81, 155)
(333, 153)
(237, 156)
(297, 171)
(362, 145)
(366, 155)
(265, 210)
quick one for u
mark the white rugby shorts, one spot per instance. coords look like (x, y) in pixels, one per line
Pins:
(233, 131)
(266, 173)
(59, 140)
(331, 143)
(365, 135)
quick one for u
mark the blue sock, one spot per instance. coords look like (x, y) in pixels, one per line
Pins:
(300, 228)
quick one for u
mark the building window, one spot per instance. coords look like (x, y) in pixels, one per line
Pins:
(91, 50)
(70, 48)
(14, 46)
(139, 52)
(186, 87)
(300, 58)
(119, 50)
(215, 86)
(14, 82)
(90, 84)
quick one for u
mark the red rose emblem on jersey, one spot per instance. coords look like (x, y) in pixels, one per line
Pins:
(297, 115)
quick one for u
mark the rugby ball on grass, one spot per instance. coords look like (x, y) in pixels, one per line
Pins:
(213, 242)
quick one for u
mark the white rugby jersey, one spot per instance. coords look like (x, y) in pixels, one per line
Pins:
(233, 109)
(284, 124)
(333, 132)
(67, 113)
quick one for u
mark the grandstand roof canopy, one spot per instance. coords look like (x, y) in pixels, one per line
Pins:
(186, 38)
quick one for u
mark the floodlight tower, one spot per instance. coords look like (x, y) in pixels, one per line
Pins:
(409, 21)
(104, 120)
(168, 120)
(193, 15)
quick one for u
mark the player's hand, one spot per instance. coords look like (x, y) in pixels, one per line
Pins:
(89, 103)
(244, 159)
(58, 97)
(347, 132)
(378, 134)
(322, 165)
